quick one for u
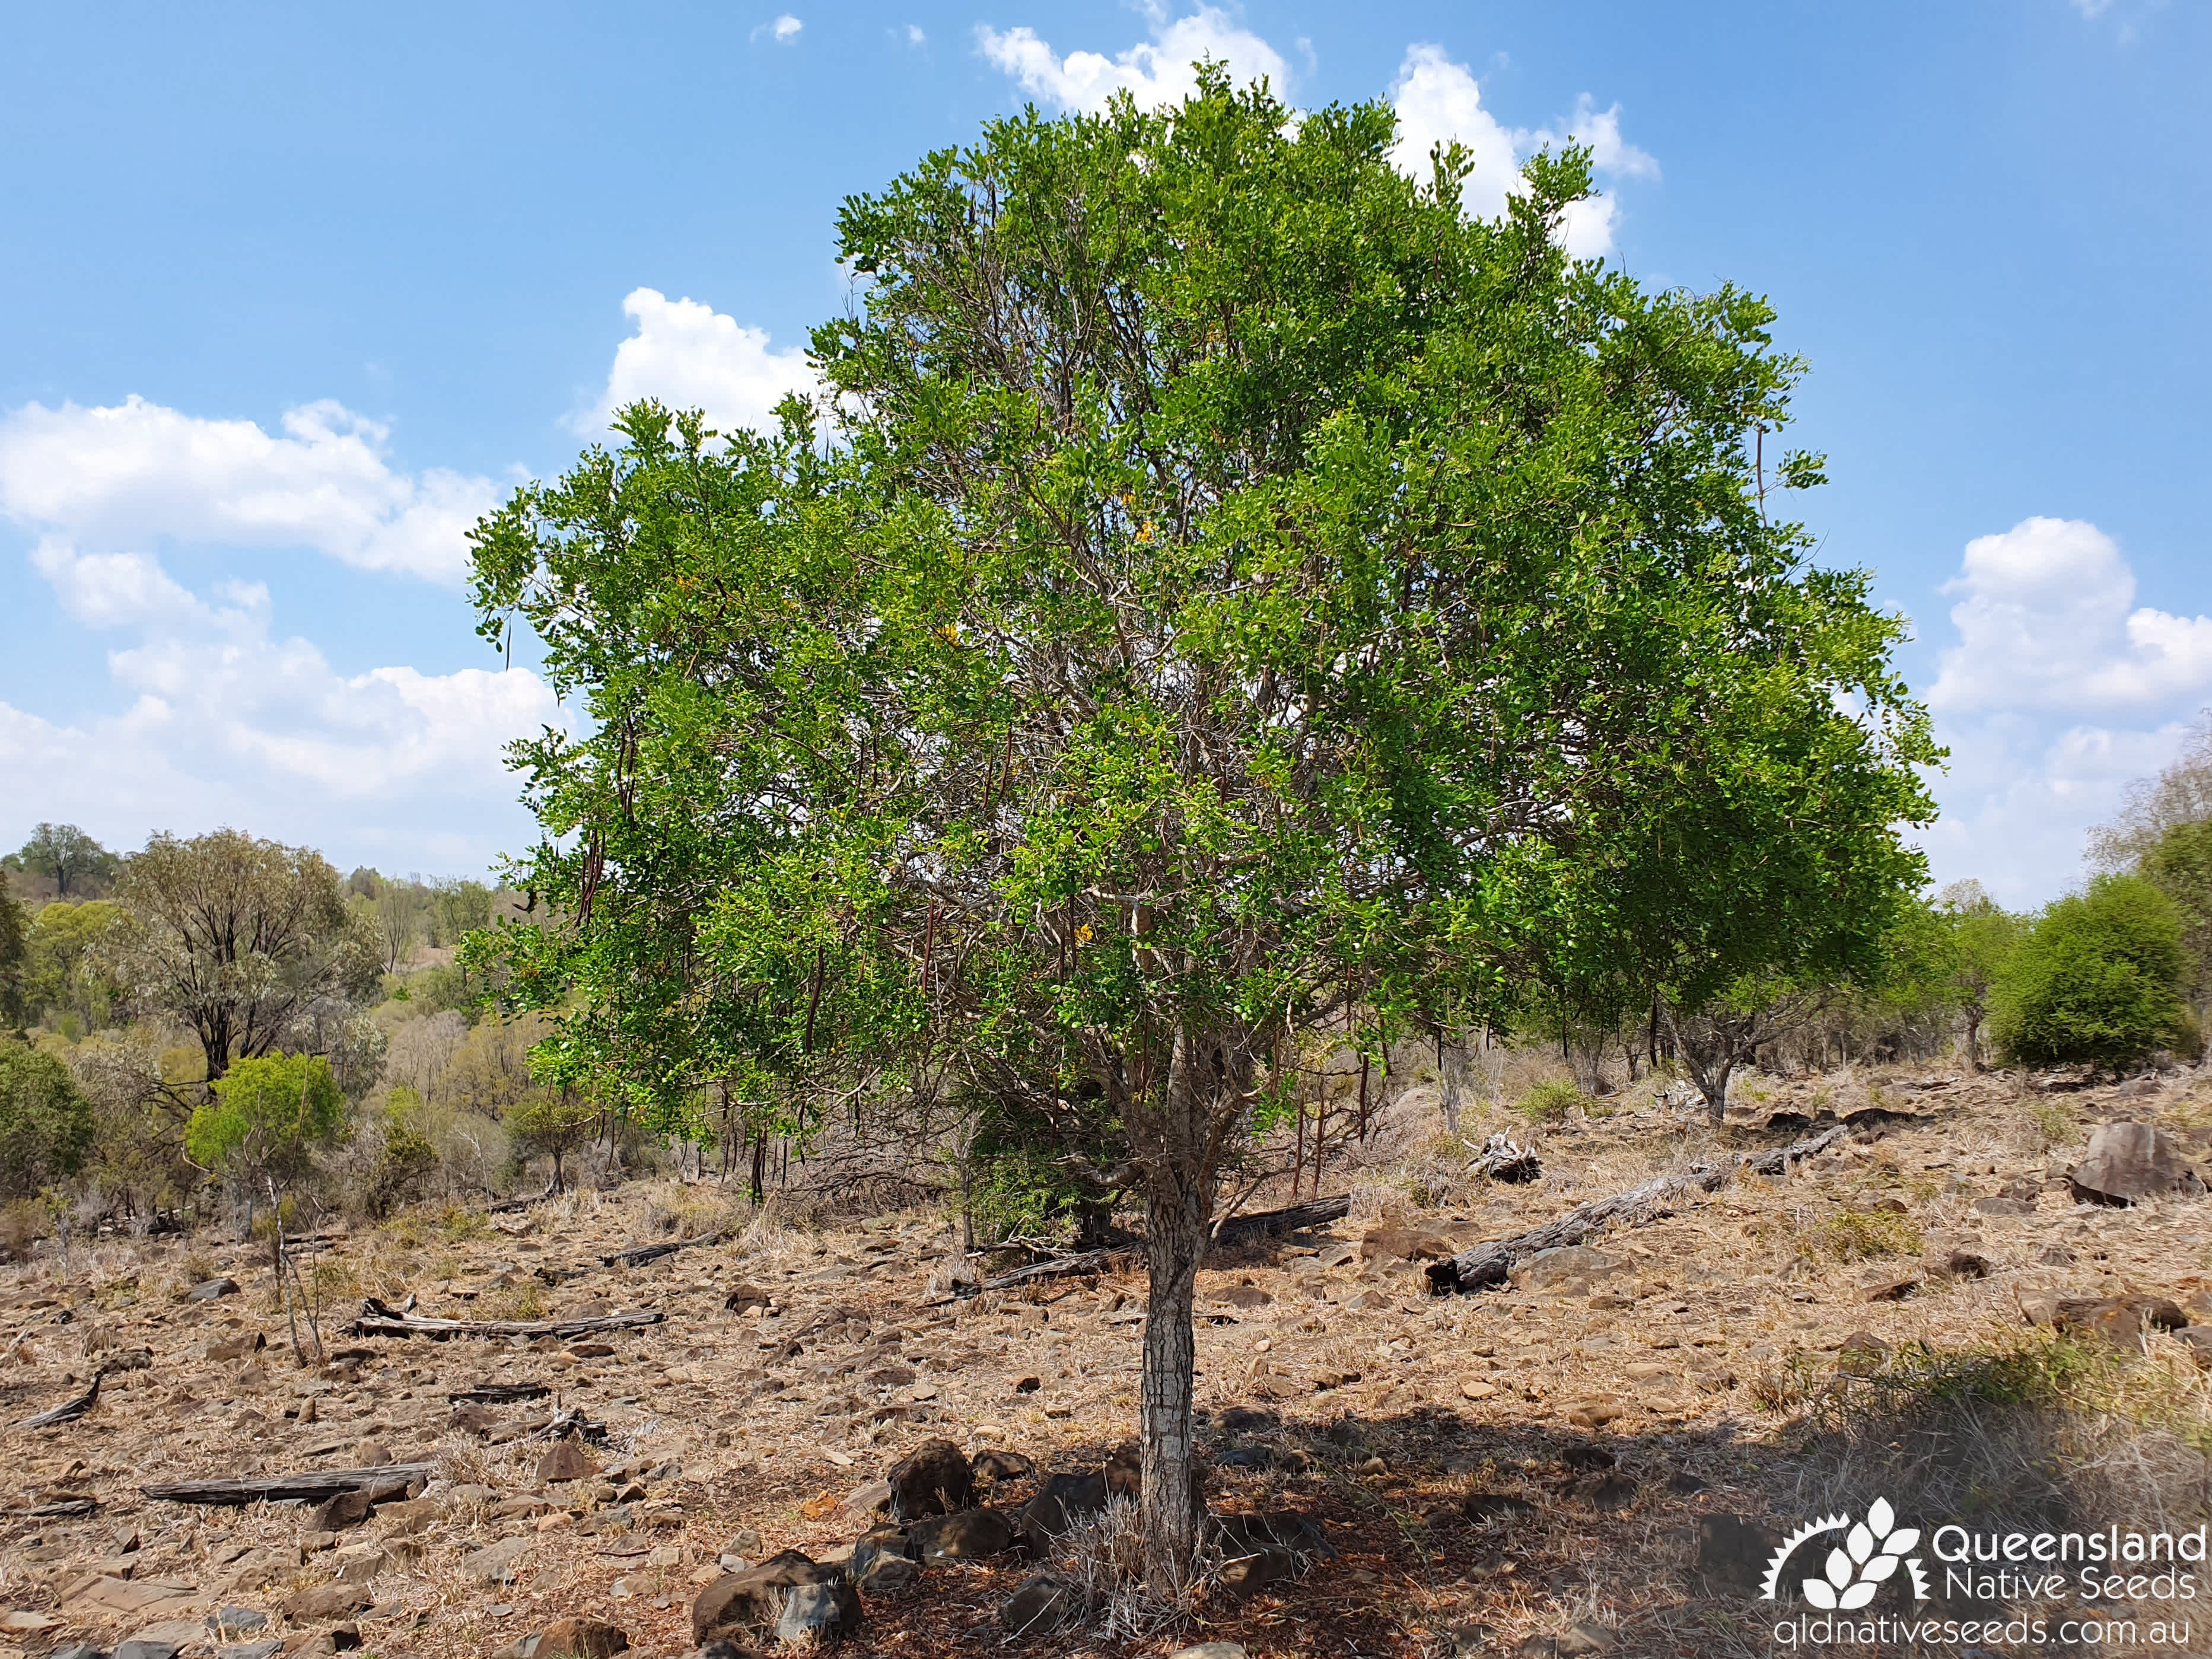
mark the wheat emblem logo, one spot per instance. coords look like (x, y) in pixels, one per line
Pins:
(1867, 1558)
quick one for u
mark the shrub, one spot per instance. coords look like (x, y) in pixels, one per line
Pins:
(46, 1122)
(2097, 981)
(267, 1115)
(1550, 1100)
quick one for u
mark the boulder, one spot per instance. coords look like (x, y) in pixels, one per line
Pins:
(750, 1603)
(1732, 1554)
(967, 1537)
(319, 1603)
(2118, 1320)
(868, 1502)
(995, 1466)
(934, 1479)
(2130, 1162)
(567, 1460)
(1052, 1513)
(209, 1290)
(818, 1614)
(1043, 1603)
(340, 1512)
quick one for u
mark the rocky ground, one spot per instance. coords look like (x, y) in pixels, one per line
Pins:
(1584, 1460)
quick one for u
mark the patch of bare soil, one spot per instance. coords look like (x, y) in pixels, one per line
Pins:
(1570, 1464)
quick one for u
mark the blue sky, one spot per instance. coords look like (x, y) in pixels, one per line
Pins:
(288, 294)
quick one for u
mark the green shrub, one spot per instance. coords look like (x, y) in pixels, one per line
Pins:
(1550, 1102)
(267, 1115)
(46, 1123)
(2097, 981)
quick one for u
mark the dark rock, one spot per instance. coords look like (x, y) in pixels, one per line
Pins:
(1029, 1384)
(147, 1647)
(1052, 1513)
(1587, 1456)
(1242, 1420)
(818, 1614)
(1243, 1535)
(2128, 1162)
(889, 1376)
(567, 1460)
(2118, 1320)
(1125, 1471)
(267, 1648)
(340, 1512)
(878, 1542)
(1044, 1603)
(969, 1536)
(212, 1289)
(1609, 1493)
(2197, 1338)
(750, 1603)
(1967, 1264)
(78, 1651)
(1247, 1297)
(746, 1296)
(934, 1479)
(1732, 1554)
(1495, 1506)
(885, 1574)
(1683, 1482)
(997, 1466)
(228, 1623)
(1892, 1285)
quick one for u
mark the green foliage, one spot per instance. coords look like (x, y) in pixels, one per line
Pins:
(67, 974)
(1863, 1236)
(1550, 1100)
(67, 856)
(268, 1113)
(46, 1122)
(2096, 980)
(14, 960)
(553, 1126)
(2179, 865)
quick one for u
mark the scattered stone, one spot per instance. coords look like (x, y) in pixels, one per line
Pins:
(1595, 1413)
(2197, 1340)
(1476, 1389)
(567, 1460)
(1588, 1457)
(1860, 1354)
(1329, 1378)
(2128, 1162)
(340, 1512)
(2120, 1320)
(1391, 1244)
(743, 1296)
(1609, 1494)
(2056, 1255)
(752, 1602)
(267, 1648)
(212, 1289)
(139, 1647)
(1889, 1284)
(500, 1563)
(319, 1603)
(1967, 1264)
(1582, 1636)
(1043, 1603)
(2004, 1206)
(866, 1501)
(1732, 1554)
(934, 1479)
(1684, 1483)
(1211, 1650)
(580, 1639)
(1052, 1514)
(818, 1613)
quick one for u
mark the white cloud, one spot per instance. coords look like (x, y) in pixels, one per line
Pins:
(1439, 101)
(228, 722)
(2057, 690)
(915, 37)
(1154, 71)
(783, 30)
(689, 356)
(136, 473)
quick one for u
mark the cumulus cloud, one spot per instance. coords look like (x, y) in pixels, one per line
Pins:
(226, 721)
(783, 30)
(136, 473)
(1439, 101)
(2055, 691)
(689, 356)
(1154, 71)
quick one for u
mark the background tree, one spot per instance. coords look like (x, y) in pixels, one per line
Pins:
(247, 943)
(67, 856)
(16, 996)
(268, 1115)
(1982, 937)
(2096, 980)
(553, 1125)
(46, 1123)
(67, 974)
(1248, 598)
(2181, 793)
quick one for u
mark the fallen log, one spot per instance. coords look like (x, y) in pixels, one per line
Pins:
(498, 1394)
(1319, 1212)
(638, 1254)
(69, 1410)
(61, 1508)
(378, 1320)
(1487, 1264)
(309, 1487)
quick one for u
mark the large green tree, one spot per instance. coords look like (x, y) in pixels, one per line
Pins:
(46, 1123)
(2097, 979)
(1243, 593)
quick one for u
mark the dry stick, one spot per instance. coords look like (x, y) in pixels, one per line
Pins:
(284, 1284)
(1486, 1265)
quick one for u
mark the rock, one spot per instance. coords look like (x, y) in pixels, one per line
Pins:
(1243, 1535)
(866, 1502)
(361, 1564)
(967, 1535)
(745, 1542)
(1247, 1297)
(818, 1613)
(1125, 1471)
(1569, 1266)
(1588, 1457)
(267, 1648)
(743, 1296)
(1889, 1284)
(2197, 1340)
(2055, 1254)
(1052, 1514)
(580, 1639)
(1389, 1243)
(1211, 1650)
(500, 1563)
(411, 1515)
(212, 1289)
(1860, 1354)
(1476, 1389)
(124, 1598)
(1248, 1575)
(229, 1624)
(139, 1648)
(1595, 1413)
(955, 1277)
(885, 1574)
(1043, 1603)
(1684, 1483)
(1479, 1506)
(319, 1603)
(750, 1603)
(934, 1479)
(1584, 1637)
(2128, 1162)
(2004, 1206)
(340, 1512)
(1610, 1494)
(2120, 1320)
(1001, 1466)
(236, 1348)
(1732, 1554)
(1967, 1264)
(1028, 1384)
(567, 1460)
(1329, 1378)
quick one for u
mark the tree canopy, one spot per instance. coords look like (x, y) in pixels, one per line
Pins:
(1241, 592)
(268, 1114)
(2097, 979)
(67, 856)
(46, 1123)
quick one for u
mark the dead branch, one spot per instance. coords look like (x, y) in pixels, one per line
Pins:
(378, 1320)
(310, 1486)
(69, 1410)
(638, 1254)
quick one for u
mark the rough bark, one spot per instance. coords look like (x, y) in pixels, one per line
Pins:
(1172, 1498)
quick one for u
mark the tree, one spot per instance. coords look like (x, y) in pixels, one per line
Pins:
(268, 1115)
(46, 1123)
(2181, 793)
(66, 972)
(2096, 980)
(1982, 937)
(2179, 865)
(555, 1125)
(248, 943)
(1248, 596)
(16, 998)
(68, 855)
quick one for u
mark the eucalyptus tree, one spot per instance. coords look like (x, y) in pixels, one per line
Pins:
(1239, 593)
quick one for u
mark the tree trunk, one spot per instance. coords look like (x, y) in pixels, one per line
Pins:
(1973, 1038)
(1174, 1497)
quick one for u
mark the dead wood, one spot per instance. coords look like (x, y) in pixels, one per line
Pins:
(64, 1509)
(638, 1254)
(378, 1320)
(498, 1394)
(1318, 1213)
(70, 1410)
(1487, 1264)
(310, 1486)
